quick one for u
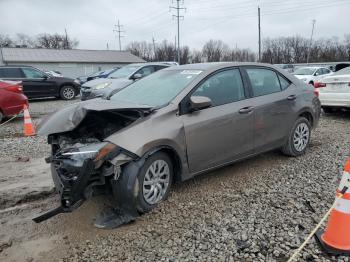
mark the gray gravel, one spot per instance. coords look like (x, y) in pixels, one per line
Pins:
(12, 142)
(257, 210)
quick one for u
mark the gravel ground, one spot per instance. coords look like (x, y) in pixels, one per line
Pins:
(12, 142)
(258, 210)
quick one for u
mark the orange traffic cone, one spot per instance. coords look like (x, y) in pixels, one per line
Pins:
(336, 238)
(28, 124)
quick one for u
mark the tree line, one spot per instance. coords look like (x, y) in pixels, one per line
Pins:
(54, 41)
(212, 51)
(295, 49)
(279, 50)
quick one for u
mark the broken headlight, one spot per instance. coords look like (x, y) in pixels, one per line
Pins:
(96, 151)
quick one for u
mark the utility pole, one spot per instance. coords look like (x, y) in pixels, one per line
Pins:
(259, 27)
(107, 47)
(154, 47)
(117, 30)
(66, 40)
(312, 34)
(178, 16)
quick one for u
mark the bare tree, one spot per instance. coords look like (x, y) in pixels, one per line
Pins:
(6, 41)
(141, 49)
(214, 50)
(24, 40)
(55, 41)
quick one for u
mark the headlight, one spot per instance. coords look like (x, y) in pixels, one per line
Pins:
(96, 151)
(102, 85)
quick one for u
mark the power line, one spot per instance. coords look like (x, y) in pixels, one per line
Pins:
(177, 8)
(117, 30)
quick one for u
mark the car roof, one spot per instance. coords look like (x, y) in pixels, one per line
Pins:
(215, 65)
(149, 63)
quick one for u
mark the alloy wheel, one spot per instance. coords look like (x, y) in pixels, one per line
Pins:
(68, 93)
(156, 182)
(301, 137)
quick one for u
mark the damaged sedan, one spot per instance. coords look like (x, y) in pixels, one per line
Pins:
(171, 126)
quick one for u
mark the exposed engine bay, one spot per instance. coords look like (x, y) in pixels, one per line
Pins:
(82, 163)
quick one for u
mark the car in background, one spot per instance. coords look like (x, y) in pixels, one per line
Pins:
(12, 98)
(310, 75)
(102, 74)
(119, 79)
(334, 91)
(38, 84)
(173, 125)
(288, 67)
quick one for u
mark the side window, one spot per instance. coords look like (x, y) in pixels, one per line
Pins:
(12, 72)
(318, 72)
(2, 74)
(145, 71)
(222, 88)
(325, 71)
(284, 82)
(263, 81)
(160, 67)
(32, 73)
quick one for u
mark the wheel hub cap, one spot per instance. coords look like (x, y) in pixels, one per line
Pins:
(301, 137)
(156, 182)
(68, 93)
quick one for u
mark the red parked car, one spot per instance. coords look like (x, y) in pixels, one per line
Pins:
(12, 98)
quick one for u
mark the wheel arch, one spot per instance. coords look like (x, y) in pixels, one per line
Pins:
(174, 156)
(308, 115)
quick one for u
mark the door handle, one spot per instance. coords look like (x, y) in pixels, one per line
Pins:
(246, 110)
(292, 97)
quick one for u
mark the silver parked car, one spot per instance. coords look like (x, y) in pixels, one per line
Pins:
(173, 125)
(103, 87)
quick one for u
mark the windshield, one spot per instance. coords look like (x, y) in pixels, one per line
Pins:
(157, 89)
(124, 71)
(304, 71)
(344, 71)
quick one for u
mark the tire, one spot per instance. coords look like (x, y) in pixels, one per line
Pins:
(296, 145)
(142, 186)
(67, 92)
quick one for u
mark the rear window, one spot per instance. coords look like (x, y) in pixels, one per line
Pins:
(11, 72)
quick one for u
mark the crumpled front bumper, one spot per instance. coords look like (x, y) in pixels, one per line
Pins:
(72, 190)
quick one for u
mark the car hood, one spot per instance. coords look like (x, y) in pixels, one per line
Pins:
(115, 83)
(70, 117)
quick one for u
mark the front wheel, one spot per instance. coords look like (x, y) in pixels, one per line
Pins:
(298, 139)
(67, 92)
(154, 181)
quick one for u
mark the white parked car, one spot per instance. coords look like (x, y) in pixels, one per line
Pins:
(334, 91)
(310, 75)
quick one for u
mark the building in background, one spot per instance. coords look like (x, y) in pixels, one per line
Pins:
(69, 62)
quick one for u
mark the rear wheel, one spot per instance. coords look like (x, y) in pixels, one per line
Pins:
(67, 92)
(154, 181)
(299, 138)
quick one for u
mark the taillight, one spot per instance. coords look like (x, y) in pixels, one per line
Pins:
(318, 85)
(15, 88)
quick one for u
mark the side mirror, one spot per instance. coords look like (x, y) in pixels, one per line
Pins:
(137, 76)
(317, 73)
(200, 102)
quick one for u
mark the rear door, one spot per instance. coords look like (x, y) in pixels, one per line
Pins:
(223, 132)
(37, 84)
(274, 98)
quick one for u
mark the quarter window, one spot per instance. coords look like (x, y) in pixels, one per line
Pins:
(284, 82)
(222, 88)
(263, 81)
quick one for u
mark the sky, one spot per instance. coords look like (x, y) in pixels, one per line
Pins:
(233, 21)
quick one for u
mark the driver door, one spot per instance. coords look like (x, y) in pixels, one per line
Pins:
(223, 132)
(36, 83)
